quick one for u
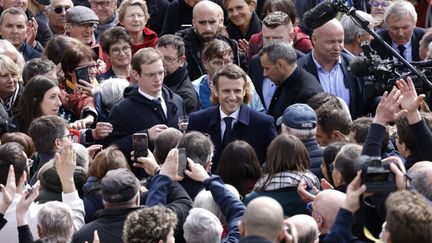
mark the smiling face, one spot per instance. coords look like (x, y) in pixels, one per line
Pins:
(230, 93)
(51, 102)
(83, 33)
(239, 12)
(134, 19)
(120, 54)
(400, 29)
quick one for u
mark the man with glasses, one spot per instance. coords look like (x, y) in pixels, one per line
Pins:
(177, 78)
(81, 24)
(57, 16)
(149, 108)
(107, 14)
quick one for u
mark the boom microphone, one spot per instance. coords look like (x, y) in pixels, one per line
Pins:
(319, 15)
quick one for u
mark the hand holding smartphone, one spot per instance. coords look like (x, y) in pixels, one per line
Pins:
(82, 73)
(182, 161)
(140, 145)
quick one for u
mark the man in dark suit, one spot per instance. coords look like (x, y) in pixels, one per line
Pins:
(150, 108)
(294, 84)
(276, 26)
(329, 65)
(401, 33)
(231, 119)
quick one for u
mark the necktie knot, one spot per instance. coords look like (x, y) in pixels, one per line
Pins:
(157, 100)
(402, 50)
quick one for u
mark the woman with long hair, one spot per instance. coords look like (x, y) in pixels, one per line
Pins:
(287, 165)
(40, 98)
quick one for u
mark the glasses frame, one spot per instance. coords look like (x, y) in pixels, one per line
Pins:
(125, 49)
(60, 9)
(103, 4)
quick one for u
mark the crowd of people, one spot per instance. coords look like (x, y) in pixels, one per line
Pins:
(212, 121)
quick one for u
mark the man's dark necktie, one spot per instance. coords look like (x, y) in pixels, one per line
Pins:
(401, 51)
(227, 134)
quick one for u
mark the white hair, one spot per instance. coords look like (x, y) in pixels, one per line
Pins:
(111, 91)
(202, 226)
(399, 9)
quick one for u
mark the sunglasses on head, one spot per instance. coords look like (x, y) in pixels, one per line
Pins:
(59, 9)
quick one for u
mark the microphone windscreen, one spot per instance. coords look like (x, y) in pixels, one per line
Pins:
(319, 15)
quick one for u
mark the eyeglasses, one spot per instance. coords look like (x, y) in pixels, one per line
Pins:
(152, 75)
(69, 136)
(103, 4)
(116, 51)
(170, 59)
(91, 66)
(376, 4)
(59, 9)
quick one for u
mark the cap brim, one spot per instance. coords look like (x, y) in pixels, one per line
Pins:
(279, 121)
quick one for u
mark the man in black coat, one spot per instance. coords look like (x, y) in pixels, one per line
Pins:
(401, 32)
(150, 108)
(206, 22)
(177, 78)
(231, 119)
(330, 65)
(294, 85)
(276, 25)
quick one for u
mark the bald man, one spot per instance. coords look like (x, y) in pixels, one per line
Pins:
(325, 208)
(307, 228)
(329, 65)
(263, 221)
(421, 174)
(206, 23)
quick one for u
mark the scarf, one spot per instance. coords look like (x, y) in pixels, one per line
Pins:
(287, 179)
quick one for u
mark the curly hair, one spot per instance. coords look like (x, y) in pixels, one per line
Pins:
(149, 225)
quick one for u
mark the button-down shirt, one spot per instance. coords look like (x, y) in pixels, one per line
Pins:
(160, 96)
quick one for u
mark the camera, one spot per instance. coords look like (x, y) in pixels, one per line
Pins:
(377, 175)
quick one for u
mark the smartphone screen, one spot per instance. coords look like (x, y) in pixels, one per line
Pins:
(82, 73)
(140, 145)
(182, 161)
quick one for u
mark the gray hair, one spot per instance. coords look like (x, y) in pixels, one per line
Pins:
(351, 28)
(82, 155)
(5, 47)
(111, 91)
(277, 49)
(204, 199)
(202, 226)
(400, 8)
(198, 147)
(56, 220)
(302, 133)
(421, 174)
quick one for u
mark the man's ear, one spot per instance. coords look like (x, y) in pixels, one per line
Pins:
(337, 178)
(182, 60)
(338, 136)
(280, 64)
(281, 235)
(40, 231)
(215, 92)
(135, 74)
(242, 229)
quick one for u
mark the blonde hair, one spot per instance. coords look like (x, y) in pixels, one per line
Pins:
(140, 3)
(7, 65)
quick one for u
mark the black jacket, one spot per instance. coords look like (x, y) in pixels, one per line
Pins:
(358, 106)
(177, 13)
(254, 28)
(180, 84)
(256, 73)
(194, 46)
(157, 10)
(298, 88)
(137, 114)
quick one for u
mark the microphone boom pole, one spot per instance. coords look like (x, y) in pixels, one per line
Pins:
(341, 7)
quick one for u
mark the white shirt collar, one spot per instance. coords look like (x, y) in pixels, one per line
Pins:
(150, 97)
(234, 115)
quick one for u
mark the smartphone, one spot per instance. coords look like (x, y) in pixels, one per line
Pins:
(140, 145)
(182, 161)
(82, 73)
(30, 191)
